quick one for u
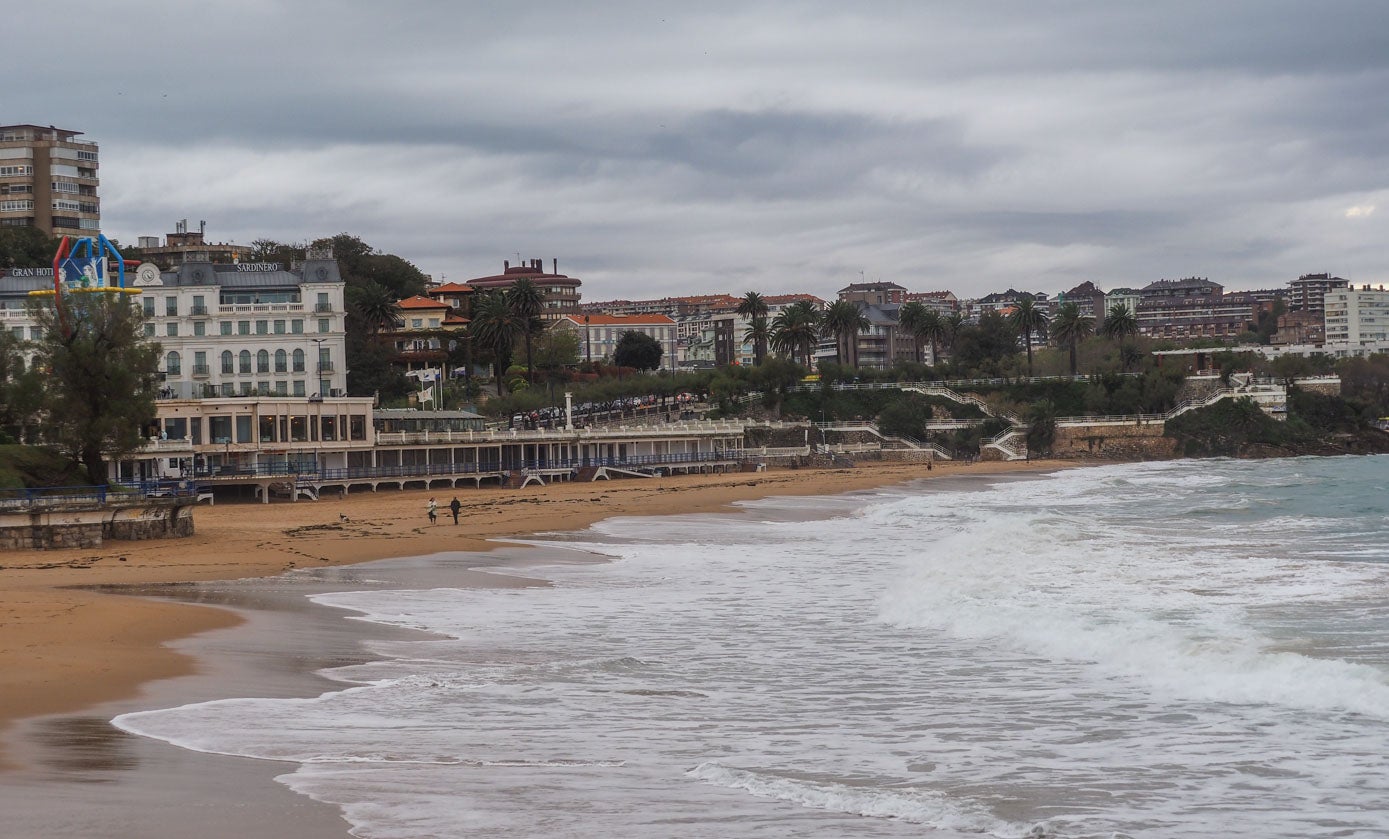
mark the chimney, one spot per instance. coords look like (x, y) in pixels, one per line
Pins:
(506, 265)
(556, 263)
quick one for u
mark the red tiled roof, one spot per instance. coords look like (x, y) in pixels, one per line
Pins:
(419, 302)
(618, 320)
(450, 288)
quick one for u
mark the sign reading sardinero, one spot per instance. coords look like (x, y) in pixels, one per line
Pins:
(29, 272)
(251, 267)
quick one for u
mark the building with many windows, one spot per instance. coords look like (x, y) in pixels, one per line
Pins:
(598, 334)
(184, 242)
(560, 292)
(252, 363)
(1357, 317)
(48, 180)
(1307, 291)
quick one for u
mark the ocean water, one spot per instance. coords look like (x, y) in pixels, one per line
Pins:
(1181, 649)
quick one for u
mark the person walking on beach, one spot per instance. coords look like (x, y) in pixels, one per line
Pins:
(454, 507)
(433, 510)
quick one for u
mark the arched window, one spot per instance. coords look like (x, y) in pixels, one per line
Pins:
(281, 362)
(298, 361)
(245, 361)
(173, 364)
(263, 362)
(227, 366)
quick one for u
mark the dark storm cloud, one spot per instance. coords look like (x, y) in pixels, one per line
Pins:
(658, 149)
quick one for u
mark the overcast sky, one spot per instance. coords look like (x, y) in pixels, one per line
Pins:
(656, 149)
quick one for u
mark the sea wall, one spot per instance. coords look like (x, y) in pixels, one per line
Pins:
(1114, 442)
(88, 525)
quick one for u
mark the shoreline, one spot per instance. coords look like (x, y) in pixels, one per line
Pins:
(79, 632)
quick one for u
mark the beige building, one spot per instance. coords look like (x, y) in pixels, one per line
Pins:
(598, 334)
(48, 180)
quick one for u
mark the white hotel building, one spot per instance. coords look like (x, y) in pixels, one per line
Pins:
(252, 363)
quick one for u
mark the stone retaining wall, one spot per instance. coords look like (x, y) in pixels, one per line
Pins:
(1114, 442)
(89, 525)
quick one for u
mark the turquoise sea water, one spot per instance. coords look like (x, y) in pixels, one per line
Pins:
(1193, 649)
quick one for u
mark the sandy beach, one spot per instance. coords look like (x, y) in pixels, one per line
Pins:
(83, 635)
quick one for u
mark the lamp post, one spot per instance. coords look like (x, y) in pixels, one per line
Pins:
(318, 365)
(588, 344)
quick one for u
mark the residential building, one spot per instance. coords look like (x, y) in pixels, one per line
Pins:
(944, 302)
(458, 296)
(874, 294)
(1089, 300)
(1307, 291)
(183, 242)
(1129, 298)
(560, 292)
(1300, 326)
(1188, 287)
(598, 334)
(421, 334)
(1357, 317)
(48, 180)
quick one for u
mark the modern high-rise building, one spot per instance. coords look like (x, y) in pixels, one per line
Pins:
(1308, 291)
(48, 180)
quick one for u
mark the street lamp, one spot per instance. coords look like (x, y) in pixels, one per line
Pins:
(318, 366)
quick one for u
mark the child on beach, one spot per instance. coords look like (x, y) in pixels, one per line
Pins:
(433, 510)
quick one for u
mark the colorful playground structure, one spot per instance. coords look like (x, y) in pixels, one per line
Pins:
(81, 266)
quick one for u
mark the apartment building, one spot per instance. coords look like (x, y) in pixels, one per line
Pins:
(1357, 317)
(560, 292)
(598, 334)
(183, 242)
(1306, 293)
(48, 180)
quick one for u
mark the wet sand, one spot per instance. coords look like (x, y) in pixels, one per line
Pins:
(125, 639)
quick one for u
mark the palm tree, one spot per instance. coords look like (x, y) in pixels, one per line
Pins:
(1070, 327)
(1120, 323)
(754, 307)
(912, 318)
(376, 306)
(496, 326)
(759, 334)
(950, 329)
(934, 329)
(845, 320)
(795, 330)
(1027, 319)
(526, 302)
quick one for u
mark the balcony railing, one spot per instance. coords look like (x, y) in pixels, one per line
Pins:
(202, 370)
(323, 307)
(325, 367)
(198, 312)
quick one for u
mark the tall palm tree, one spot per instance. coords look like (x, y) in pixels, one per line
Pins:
(1120, 323)
(759, 334)
(1027, 319)
(377, 306)
(496, 326)
(527, 301)
(1070, 327)
(795, 330)
(950, 329)
(912, 318)
(934, 329)
(844, 320)
(754, 307)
